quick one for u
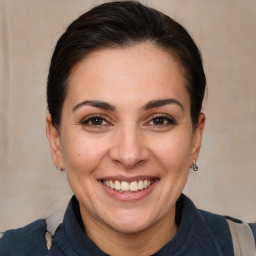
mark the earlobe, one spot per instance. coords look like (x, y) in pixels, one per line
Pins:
(53, 136)
(197, 138)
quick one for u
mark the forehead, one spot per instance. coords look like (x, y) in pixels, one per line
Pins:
(139, 71)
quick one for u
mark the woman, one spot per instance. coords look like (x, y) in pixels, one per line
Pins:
(125, 90)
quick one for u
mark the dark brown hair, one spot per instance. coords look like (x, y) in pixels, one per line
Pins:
(120, 24)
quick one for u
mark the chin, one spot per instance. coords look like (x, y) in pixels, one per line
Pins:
(130, 223)
(130, 228)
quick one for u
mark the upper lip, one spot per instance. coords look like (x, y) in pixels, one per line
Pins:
(128, 179)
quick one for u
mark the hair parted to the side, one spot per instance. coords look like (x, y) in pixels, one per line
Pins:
(122, 24)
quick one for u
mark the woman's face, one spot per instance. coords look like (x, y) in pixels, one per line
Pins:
(126, 139)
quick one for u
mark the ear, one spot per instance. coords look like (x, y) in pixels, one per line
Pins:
(197, 138)
(53, 136)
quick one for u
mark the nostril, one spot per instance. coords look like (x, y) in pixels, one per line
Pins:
(128, 163)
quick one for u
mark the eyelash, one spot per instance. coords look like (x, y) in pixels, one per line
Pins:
(166, 119)
(98, 120)
(91, 119)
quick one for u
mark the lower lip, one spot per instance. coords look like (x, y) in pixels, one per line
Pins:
(129, 196)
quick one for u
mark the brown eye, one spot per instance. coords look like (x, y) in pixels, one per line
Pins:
(161, 120)
(94, 121)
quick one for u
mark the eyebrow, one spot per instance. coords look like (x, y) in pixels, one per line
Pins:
(162, 102)
(96, 104)
(106, 106)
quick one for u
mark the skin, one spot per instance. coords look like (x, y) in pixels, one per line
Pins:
(127, 140)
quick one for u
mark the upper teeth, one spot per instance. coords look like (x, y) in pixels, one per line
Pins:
(124, 186)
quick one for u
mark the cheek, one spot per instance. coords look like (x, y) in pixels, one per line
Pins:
(82, 154)
(173, 151)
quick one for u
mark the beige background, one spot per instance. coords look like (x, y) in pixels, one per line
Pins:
(225, 32)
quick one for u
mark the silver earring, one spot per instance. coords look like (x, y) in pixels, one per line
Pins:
(194, 166)
(58, 168)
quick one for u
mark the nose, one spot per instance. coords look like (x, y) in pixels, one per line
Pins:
(128, 148)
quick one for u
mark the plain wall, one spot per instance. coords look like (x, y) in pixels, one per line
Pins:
(225, 32)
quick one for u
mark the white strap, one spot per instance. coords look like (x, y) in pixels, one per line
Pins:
(52, 223)
(48, 240)
(242, 237)
(53, 219)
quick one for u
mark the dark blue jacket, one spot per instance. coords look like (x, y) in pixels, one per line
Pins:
(200, 233)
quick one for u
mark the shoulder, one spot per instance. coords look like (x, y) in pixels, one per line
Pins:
(214, 221)
(218, 228)
(253, 229)
(207, 231)
(213, 224)
(29, 240)
(217, 224)
(243, 235)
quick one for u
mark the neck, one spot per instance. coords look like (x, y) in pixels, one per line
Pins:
(144, 243)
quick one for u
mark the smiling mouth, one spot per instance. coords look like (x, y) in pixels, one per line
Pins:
(124, 186)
